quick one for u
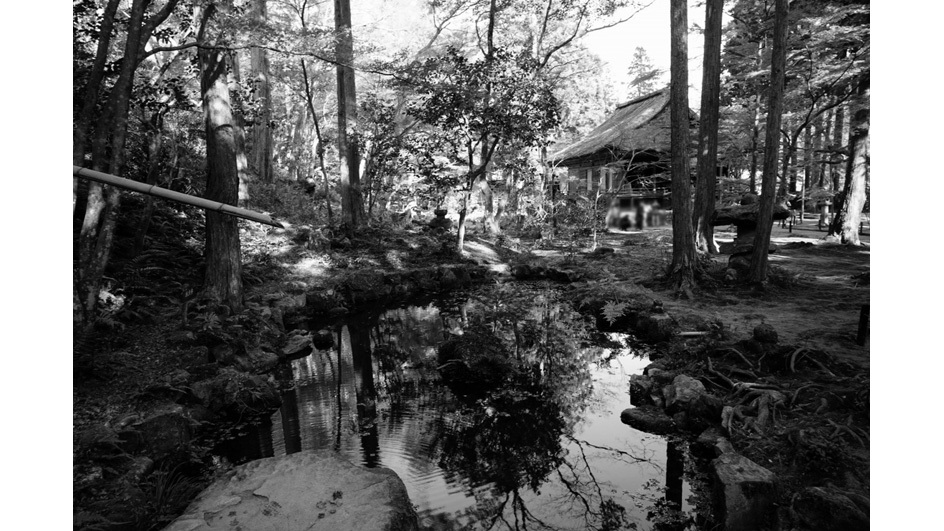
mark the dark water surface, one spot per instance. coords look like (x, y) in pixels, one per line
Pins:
(544, 449)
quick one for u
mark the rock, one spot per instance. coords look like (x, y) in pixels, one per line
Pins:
(521, 271)
(745, 215)
(650, 419)
(323, 339)
(440, 222)
(291, 302)
(140, 467)
(224, 354)
(257, 360)
(660, 376)
(301, 492)
(603, 251)
(713, 442)
(655, 327)
(744, 493)
(640, 387)
(683, 391)
(448, 279)
(765, 333)
(829, 509)
(297, 346)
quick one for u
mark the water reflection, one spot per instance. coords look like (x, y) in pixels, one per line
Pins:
(534, 442)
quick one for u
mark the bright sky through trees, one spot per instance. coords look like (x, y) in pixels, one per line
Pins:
(650, 29)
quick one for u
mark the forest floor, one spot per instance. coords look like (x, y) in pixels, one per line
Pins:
(813, 302)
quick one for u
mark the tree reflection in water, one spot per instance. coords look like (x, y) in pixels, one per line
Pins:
(512, 435)
(486, 408)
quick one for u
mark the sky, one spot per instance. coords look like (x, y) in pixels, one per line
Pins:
(649, 28)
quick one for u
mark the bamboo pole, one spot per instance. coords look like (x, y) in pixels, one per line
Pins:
(164, 193)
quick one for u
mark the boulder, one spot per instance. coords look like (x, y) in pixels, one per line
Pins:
(640, 387)
(297, 346)
(713, 442)
(655, 327)
(650, 419)
(765, 333)
(311, 490)
(257, 360)
(323, 339)
(683, 391)
(744, 493)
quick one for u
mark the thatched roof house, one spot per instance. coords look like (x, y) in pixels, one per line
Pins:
(628, 151)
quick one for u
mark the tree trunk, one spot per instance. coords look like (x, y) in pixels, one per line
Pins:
(681, 272)
(758, 268)
(108, 154)
(704, 207)
(351, 203)
(825, 137)
(849, 212)
(463, 212)
(261, 155)
(836, 157)
(239, 130)
(223, 257)
(93, 87)
(318, 146)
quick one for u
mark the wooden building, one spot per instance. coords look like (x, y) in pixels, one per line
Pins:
(628, 156)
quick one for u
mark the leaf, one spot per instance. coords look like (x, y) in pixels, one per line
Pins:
(613, 310)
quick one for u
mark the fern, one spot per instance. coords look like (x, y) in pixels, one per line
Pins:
(613, 310)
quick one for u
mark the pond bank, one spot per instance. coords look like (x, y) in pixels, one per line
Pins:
(159, 433)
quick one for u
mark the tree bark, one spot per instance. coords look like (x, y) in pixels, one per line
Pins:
(239, 130)
(836, 158)
(318, 146)
(108, 154)
(223, 255)
(261, 154)
(848, 213)
(708, 131)
(352, 208)
(758, 267)
(93, 86)
(681, 272)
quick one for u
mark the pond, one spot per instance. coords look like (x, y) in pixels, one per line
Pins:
(526, 438)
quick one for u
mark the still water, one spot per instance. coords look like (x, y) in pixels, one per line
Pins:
(543, 448)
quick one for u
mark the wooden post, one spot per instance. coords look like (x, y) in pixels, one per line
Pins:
(863, 325)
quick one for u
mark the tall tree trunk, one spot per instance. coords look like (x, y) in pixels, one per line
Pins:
(755, 130)
(758, 268)
(835, 167)
(108, 155)
(223, 256)
(319, 144)
(825, 136)
(239, 130)
(849, 211)
(261, 155)
(93, 86)
(681, 272)
(352, 208)
(704, 207)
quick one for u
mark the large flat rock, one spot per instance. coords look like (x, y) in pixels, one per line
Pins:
(745, 492)
(303, 491)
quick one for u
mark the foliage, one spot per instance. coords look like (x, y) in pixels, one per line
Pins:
(613, 310)
(478, 104)
(643, 75)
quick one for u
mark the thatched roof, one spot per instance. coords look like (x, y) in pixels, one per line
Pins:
(642, 124)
